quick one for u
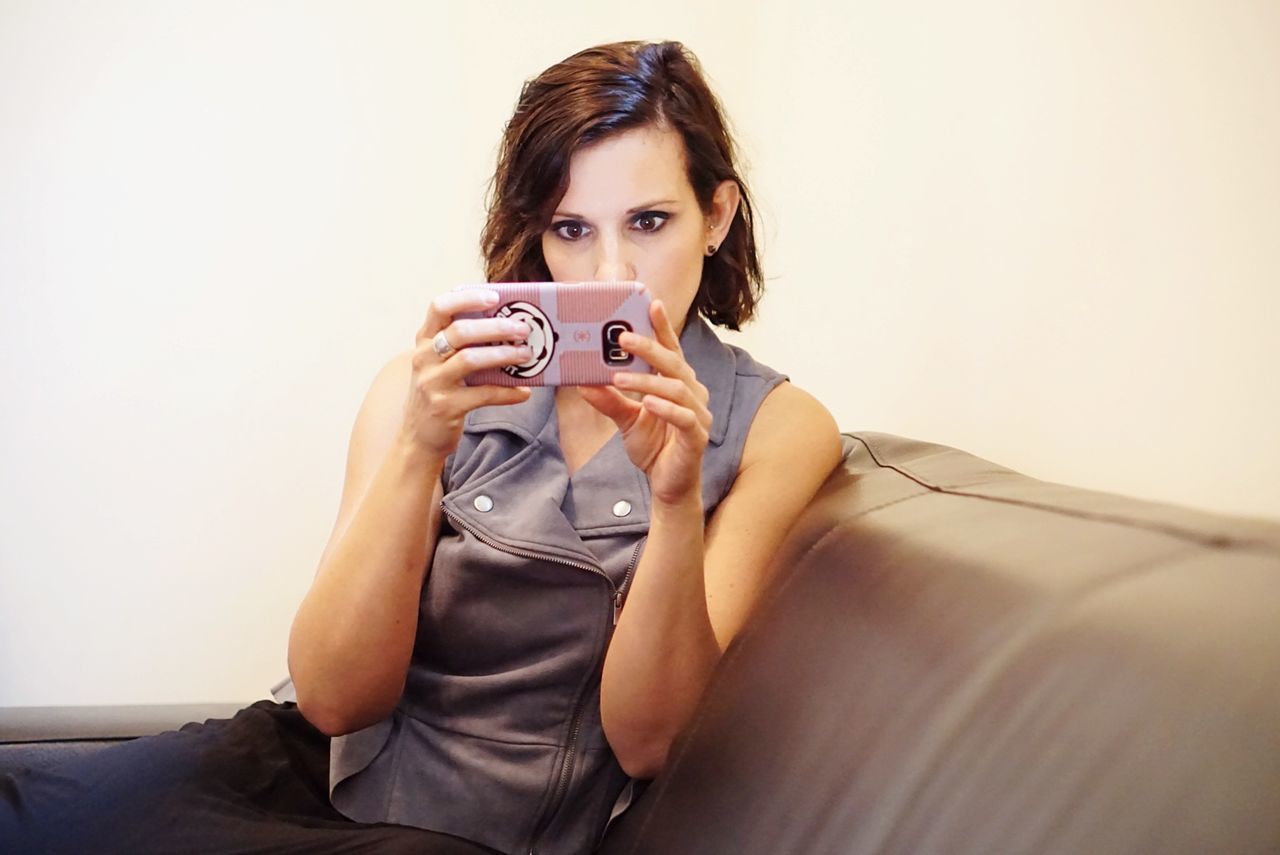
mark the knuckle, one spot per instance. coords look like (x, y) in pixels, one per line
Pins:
(450, 413)
(442, 405)
(440, 310)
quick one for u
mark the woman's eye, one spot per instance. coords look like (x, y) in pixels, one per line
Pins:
(568, 230)
(650, 221)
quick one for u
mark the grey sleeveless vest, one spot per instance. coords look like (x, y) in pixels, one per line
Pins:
(497, 737)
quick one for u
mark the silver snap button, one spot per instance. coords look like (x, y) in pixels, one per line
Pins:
(621, 509)
(483, 504)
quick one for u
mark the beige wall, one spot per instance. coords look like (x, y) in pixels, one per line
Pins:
(1048, 237)
(1053, 236)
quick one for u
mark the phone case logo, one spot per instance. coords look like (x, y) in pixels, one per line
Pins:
(542, 338)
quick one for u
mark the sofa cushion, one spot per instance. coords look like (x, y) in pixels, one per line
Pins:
(958, 658)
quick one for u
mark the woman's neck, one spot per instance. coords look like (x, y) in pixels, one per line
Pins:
(583, 429)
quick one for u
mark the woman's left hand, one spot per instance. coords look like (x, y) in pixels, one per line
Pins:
(665, 431)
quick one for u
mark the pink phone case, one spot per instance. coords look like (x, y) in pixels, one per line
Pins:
(574, 329)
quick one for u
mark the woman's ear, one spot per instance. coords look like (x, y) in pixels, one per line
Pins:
(724, 207)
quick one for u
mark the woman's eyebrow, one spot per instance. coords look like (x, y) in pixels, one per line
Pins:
(648, 205)
(570, 215)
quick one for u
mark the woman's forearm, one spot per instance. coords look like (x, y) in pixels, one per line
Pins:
(664, 648)
(353, 635)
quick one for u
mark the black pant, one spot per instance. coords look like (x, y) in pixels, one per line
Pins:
(255, 783)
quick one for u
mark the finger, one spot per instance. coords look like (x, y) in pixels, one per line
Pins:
(672, 389)
(465, 332)
(471, 359)
(662, 359)
(664, 331)
(682, 418)
(469, 333)
(613, 404)
(470, 398)
(442, 309)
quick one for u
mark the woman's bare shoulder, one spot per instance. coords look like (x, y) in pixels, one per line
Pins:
(792, 428)
(792, 447)
(385, 398)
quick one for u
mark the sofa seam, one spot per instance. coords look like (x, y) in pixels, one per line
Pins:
(1211, 541)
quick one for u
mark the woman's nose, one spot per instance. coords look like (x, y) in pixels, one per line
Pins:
(613, 261)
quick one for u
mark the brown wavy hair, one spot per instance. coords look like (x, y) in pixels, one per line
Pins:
(595, 94)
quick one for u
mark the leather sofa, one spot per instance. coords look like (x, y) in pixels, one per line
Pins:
(960, 659)
(956, 658)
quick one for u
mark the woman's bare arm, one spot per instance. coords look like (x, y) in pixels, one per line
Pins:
(692, 591)
(353, 635)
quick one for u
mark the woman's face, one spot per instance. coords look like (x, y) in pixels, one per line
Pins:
(630, 214)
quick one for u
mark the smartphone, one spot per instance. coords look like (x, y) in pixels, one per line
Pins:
(573, 331)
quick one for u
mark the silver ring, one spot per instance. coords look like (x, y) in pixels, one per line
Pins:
(440, 344)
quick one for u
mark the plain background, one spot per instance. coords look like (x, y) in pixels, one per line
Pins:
(1047, 233)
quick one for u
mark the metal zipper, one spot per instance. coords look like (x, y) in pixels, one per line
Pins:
(566, 765)
(566, 774)
(620, 591)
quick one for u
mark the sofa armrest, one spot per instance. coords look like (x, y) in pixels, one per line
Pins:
(49, 724)
(40, 737)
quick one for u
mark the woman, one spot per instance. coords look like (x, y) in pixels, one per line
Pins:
(525, 592)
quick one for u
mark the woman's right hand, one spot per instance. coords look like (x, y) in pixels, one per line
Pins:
(439, 399)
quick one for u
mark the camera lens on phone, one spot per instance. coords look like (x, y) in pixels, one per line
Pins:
(614, 355)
